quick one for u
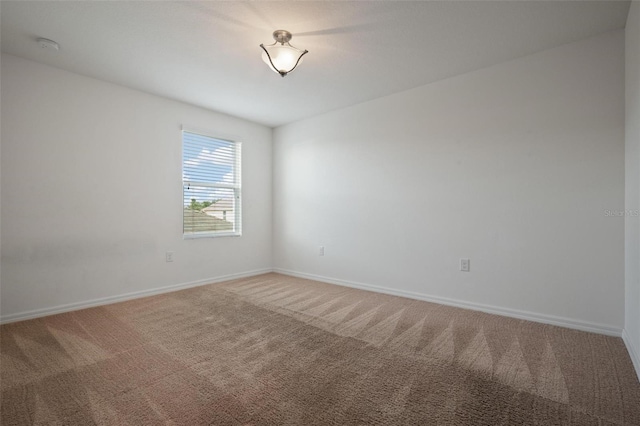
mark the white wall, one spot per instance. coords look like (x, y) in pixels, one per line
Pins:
(92, 195)
(632, 184)
(0, 187)
(512, 166)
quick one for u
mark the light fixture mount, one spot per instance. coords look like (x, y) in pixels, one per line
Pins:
(281, 56)
(282, 36)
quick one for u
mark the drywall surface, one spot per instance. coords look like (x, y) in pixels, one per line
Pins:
(92, 193)
(0, 185)
(518, 167)
(632, 183)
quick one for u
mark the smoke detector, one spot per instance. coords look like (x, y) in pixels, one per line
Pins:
(45, 43)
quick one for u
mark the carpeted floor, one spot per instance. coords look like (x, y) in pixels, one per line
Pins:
(277, 350)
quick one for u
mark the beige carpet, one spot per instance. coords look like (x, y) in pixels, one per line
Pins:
(276, 350)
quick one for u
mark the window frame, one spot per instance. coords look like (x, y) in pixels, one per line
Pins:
(237, 186)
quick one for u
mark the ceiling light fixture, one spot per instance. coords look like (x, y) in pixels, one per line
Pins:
(281, 56)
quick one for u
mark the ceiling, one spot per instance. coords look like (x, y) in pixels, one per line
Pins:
(208, 54)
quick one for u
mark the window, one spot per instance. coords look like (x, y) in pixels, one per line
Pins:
(210, 186)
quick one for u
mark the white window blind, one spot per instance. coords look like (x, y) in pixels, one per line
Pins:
(210, 186)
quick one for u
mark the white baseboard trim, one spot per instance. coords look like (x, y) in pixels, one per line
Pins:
(530, 316)
(127, 296)
(513, 313)
(634, 353)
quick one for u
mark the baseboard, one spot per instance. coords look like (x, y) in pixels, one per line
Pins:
(127, 296)
(513, 313)
(634, 353)
(530, 316)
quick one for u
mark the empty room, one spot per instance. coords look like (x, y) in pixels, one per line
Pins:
(320, 213)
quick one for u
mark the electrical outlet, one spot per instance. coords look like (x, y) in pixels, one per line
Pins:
(169, 256)
(321, 251)
(464, 265)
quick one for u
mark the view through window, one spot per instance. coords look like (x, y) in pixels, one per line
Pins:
(210, 186)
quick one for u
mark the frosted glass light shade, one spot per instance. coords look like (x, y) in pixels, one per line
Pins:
(284, 57)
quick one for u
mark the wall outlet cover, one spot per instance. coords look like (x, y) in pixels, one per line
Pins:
(465, 265)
